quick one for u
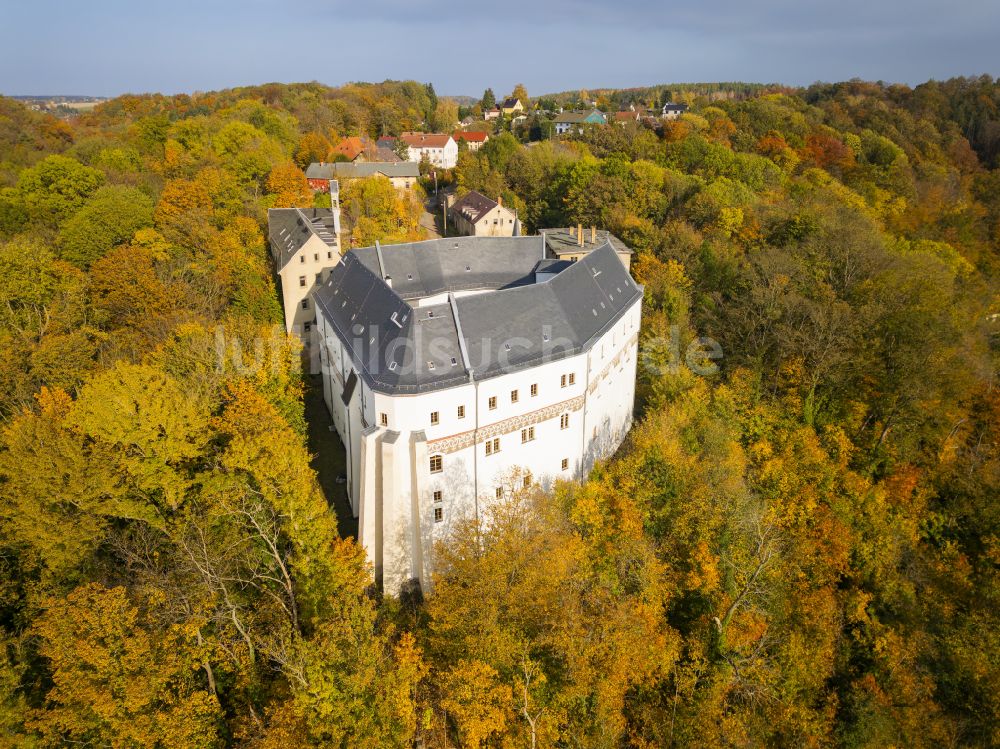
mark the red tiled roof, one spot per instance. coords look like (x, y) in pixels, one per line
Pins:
(425, 140)
(351, 147)
(473, 136)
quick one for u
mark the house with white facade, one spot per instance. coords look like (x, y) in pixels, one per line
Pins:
(305, 245)
(451, 365)
(672, 110)
(478, 216)
(439, 148)
(566, 122)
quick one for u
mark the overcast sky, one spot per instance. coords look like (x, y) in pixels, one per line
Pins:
(109, 47)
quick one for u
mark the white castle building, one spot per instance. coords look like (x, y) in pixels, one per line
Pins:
(453, 364)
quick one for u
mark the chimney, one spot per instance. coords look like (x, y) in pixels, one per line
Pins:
(388, 281)
(579, 234)
(500, 200)
(593, 235)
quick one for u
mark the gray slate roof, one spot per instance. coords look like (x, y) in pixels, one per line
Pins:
(290, 228)
(399, 348)
(359, 169)
(473, 206)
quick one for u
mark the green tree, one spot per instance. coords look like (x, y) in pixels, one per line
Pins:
(111, 217)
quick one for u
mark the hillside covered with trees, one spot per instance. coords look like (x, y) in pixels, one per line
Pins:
(800, 549)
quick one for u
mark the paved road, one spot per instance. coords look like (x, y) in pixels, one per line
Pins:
(430, 219)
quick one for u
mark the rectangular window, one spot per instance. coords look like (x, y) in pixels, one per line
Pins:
(493, 402)
(562, 381)
(489, 447)
(513, 396)
(438, 514)
(564, 421)
(572, 378)
(527, 434)
(302, 258)
(534, 390)
(499, 492)
(383, 419)
(435, 417)
(302, 280)
(461, 412)
(316, 257)
(565, 464)
(305, 304)
(319, 277)
(527, 480)
(307, 326)
(436, 464)
(329, 255)
(437, 493)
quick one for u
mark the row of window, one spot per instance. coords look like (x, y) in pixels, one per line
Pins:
(492, 446)
(319, 279)
(515, 396)
(499, 492)
(329, 256)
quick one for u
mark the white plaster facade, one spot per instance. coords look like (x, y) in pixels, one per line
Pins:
(552, 421)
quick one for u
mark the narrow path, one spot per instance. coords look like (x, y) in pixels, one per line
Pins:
(430, 219)
(328, 456)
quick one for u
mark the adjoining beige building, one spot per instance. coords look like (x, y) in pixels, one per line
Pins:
(305, 244)
(475, 139)
(576, 243)
(477, 216)
(402, 174)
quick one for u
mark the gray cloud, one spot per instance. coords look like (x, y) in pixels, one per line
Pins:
(109, 47)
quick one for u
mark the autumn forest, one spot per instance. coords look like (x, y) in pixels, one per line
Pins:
(799, 549)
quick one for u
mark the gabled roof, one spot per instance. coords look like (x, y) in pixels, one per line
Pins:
(572, 118)
(290, 228)
(474, 206)
(510, 102)
(351, 147)
(359, 169)
(398, 348)
(471, 136)
(319, 170)
(627, 116)
(425, 140)
(672, 107)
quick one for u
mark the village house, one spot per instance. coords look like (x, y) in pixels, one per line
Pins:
(629, 115)
(491, 114)
(574, 121)
(672, 111)
(574, 244)
(511, 106)
(476, 215)
(473, 138)
(305, 244)
(459, 370)
(402, 174)
(352, 147)
(439, 148)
